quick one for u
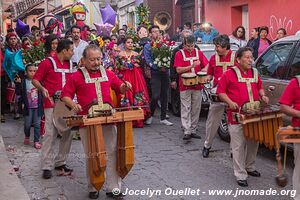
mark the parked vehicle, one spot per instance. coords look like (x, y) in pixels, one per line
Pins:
(174, 98)
(277, 65)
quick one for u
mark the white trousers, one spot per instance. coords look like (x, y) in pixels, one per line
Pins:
(110, 143)
(48, 157)
(190, 110)
(243, 152)
(215, 114)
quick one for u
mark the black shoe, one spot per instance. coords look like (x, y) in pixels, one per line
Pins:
(194, 135)
(115, 196)
(254, 173)
(187, 137)
(242, 183)
(93, 195)
(47, 174)
(205, 152)
(64, 168)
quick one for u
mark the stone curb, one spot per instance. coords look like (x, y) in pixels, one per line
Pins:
(10, 184)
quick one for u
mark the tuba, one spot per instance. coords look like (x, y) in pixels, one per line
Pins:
(163, 20)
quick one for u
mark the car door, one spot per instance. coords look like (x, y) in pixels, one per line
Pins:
(273, 68)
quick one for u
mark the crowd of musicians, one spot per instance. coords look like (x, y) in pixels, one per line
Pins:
(130, 78)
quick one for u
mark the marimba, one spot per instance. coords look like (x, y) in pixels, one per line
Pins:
(285, 135)
(261, 124)
(96, 150)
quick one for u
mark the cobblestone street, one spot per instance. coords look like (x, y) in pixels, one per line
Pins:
(163, 161)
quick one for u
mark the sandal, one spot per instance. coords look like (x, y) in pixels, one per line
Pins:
(37, 145)
(26, 141)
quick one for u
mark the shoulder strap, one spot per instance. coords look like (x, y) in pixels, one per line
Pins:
(84, 72)
(237, 72)
(53, 63)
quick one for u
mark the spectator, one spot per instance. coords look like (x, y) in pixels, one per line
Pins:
(208, 33)
(238, 37)
(34, 30)
(26, 43)
(281, 33)
(51, 45)
(114, 38)
(196, 27)
(176, 37)
(166, 36)
(254, 35)
(187, 26)
(121, 32)
(260, 44)
(125, 28)
(94, 31)
(33, 107)
(79, 44)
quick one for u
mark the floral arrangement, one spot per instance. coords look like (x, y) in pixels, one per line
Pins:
(100, 41)
(162, 53)
(127, 63)
(35, 54)
(143, 13)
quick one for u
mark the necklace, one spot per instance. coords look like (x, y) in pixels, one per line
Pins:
(128, 56)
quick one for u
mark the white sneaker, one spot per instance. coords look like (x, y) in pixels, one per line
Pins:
(166, 122)
(148, 121)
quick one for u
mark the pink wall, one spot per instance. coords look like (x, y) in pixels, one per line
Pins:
(274, 14)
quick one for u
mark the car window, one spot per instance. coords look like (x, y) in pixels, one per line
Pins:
(208, 54)
(272, 63)
(295, 67)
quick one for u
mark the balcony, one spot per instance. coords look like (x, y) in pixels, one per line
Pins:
(27, 7)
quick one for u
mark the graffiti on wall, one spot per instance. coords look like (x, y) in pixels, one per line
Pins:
(276, 23)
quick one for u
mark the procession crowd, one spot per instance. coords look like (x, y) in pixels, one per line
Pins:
(125, 66)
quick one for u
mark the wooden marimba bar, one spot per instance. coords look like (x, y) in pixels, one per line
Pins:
(96, 149)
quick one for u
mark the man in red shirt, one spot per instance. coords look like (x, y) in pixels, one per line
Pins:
(241, 87)
(50, 77)
(290, 105)
(83, 86)
(189, 60)
(223, 60)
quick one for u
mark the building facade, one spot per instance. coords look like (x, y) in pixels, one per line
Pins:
(225, 15)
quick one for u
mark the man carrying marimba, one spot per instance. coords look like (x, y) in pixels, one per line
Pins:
(189, 60)
(239, 87)
(218, 64)
(50, 78)
(290, 105)
(82, 85)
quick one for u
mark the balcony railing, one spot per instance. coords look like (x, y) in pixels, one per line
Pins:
(24, 5)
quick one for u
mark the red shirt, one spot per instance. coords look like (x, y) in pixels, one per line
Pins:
(179, 62)
(237, 91)
(217, 71)
(86, 92)
(50, 79)
(291, 97)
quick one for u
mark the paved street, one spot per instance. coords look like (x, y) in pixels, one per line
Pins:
(163, 161)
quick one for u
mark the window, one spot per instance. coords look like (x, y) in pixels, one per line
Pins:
(272, 63)
(295, 67)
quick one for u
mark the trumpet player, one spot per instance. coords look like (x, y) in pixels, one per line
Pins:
(223, 60)
(290, 105)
